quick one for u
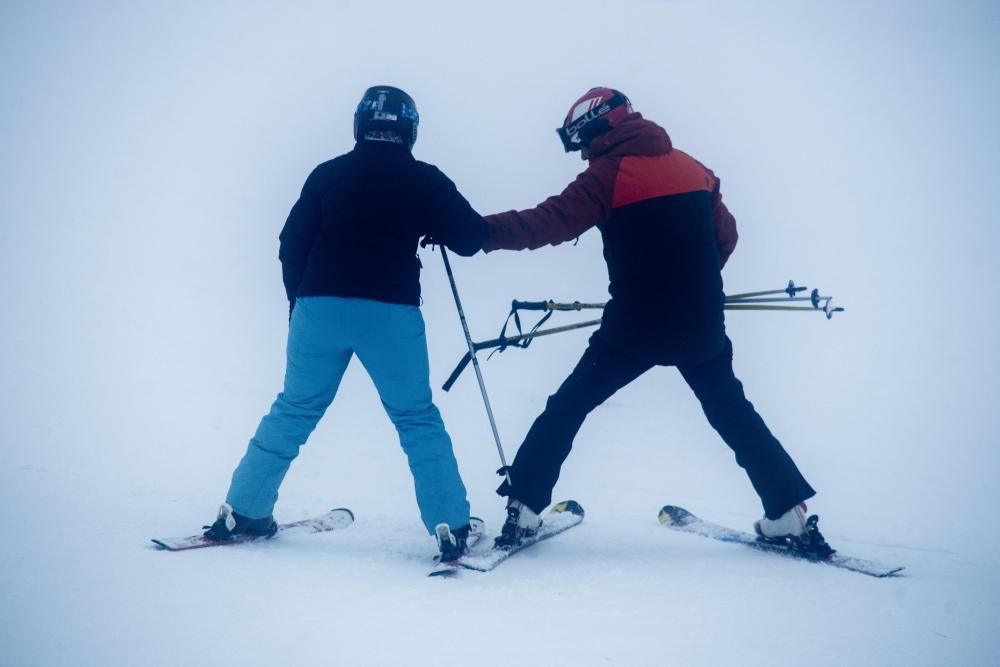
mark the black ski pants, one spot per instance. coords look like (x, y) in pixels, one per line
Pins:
(603, 370)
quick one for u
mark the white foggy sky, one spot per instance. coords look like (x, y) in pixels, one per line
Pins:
(151, 151)
(152, 154)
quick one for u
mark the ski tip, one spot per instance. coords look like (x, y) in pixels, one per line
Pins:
(671, 515)
(444, 570)
(887, 573)
(343, 509)
(159, 545)
(570, 506)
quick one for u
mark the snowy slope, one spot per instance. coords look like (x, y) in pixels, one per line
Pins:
(151, 153)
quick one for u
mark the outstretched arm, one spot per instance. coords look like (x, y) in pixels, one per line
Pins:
(584, 203)
(454, 222)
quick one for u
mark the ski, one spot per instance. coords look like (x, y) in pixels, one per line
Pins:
(335, 519)
(680, 519)
(446, 568)
(560, 518)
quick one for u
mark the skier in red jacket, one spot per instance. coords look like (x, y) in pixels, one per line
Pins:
(667, 236)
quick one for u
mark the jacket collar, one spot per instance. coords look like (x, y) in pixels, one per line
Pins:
(381, 148)
(633, 136)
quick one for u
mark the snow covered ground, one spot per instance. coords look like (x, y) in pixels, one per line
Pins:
(150, 154)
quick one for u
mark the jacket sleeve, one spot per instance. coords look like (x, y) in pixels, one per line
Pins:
(584, 203)
(297, 237)
(725, 223)
(725, 226)
(453, 221)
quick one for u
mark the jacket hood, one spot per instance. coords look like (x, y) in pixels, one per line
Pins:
(633, 136)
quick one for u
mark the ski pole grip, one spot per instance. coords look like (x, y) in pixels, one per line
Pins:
(458, 371)
(529, 305)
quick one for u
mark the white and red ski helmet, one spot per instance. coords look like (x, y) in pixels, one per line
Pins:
(596, 112)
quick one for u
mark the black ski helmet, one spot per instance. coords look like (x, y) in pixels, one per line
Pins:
(386, 114)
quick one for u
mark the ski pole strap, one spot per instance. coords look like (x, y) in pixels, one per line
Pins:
(521, 340)
(513, 340)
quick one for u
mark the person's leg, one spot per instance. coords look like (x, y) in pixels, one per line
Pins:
(316, 361)
(391, 345)
(601, 372)
(772, 472)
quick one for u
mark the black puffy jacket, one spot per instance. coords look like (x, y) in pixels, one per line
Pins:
(355, 228)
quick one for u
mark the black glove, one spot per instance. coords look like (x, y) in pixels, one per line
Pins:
(429, 240)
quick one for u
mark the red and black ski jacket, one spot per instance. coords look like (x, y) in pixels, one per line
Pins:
(666, 236)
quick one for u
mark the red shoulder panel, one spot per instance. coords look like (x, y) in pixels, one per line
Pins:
(643, 177)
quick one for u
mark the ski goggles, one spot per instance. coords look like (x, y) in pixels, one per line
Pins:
(576, 134)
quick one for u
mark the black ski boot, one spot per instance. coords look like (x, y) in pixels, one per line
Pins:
(811, 542)
(521, 522)
(795, 532)
(229, 523)
(451, 543)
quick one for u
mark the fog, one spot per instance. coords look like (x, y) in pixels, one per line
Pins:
(151, 152)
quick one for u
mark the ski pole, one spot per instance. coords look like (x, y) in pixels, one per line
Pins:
(506, 341)
(791, 290)
(552, 305)
(765, 299)
(827, 310)
(729, 298)
(475, 364)
(576, 305)
(742, 301)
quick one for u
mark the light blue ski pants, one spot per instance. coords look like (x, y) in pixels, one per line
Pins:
(389, 341)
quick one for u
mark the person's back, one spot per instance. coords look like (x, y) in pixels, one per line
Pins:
(352, 276)
(661, 244)
(666, 232)
(355, 229)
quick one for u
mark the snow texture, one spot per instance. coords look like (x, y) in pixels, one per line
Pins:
(151, 152)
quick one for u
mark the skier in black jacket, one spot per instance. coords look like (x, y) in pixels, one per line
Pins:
(666, 236)
(351, 272)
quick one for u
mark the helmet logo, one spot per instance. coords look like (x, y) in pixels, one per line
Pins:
(579, 121)
(583, 107)
(373, 105)
(411, 113)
